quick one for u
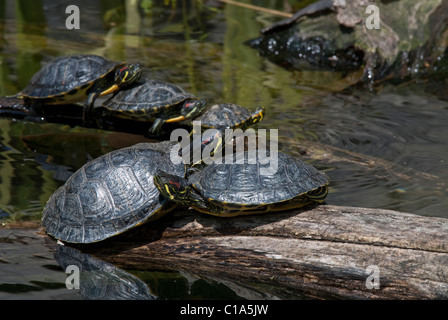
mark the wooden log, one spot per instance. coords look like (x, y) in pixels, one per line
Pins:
(321, 252)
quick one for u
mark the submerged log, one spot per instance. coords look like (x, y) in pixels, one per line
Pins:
(321, 252)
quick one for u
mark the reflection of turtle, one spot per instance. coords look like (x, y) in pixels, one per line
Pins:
(228, 115)
(99, 280)
(231, 189)
(154, 100)
(74, 78)
(111, 194)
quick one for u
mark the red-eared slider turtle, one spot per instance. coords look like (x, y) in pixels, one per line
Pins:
(229, 115)
(74, 78)
(231, 189)
(221, 117)
(111, 194)
(153, 100)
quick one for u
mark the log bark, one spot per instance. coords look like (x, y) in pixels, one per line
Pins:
(320, 252)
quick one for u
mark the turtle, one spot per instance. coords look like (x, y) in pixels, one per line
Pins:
(153, 100)
(230, 188)
(220, 117)
(75, 78)
(111, 194)
(229, 116)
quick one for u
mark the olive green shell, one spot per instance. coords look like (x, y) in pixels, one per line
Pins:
(63, 77)
(229, 115)
(110, 194)
(233, 186)
(147, 99)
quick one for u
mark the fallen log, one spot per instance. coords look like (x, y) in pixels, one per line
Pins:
(325, 252)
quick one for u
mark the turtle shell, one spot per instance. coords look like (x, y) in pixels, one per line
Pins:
(229, 115)
(68, 78)
(110, 194)
(237, 187)
(147, 99)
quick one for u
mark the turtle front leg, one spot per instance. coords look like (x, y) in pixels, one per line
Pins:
(87, 114)
(100, 88)
(206, 207)
(156, 127)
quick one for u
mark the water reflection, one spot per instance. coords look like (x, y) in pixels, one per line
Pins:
(28, 269)
(99, 280)
(34, 267)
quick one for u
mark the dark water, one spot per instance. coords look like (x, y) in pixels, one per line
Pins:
(383, 150)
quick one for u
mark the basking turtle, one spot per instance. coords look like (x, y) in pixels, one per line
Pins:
(229, 115)
(221, 117)
(231, 189)
(74, 78)
(111, 194)
(153, 100)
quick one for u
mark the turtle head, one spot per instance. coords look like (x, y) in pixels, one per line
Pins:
(190, 109)
(124, 76)
(172, 187)
(258, 115)
(128, 74)
(193, 108)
